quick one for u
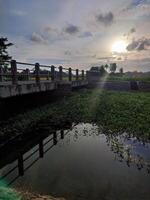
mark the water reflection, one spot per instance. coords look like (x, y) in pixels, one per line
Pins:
(129, 150)
(15, 164)
(126, 147)
(82, 161)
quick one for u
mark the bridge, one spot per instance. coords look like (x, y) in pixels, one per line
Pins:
(26, 78)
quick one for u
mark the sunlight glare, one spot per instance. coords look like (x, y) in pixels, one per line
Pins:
(119, 46)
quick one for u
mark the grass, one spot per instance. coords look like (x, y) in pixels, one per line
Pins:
(116, 111)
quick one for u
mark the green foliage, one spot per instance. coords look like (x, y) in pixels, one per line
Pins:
(116, 111)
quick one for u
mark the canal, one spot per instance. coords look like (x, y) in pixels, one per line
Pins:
(81, 162)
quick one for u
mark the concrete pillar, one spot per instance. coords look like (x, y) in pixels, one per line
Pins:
(82, 74)
(14, 72)
(27, 74)
(20, 165)
(54, 138)
(70, 74)
(86, 75)
(60, 73)
(37, 73)
(53, 73)
(62, 134)
(77, 74)
(48, 76)
(1, 73)
(41, 150)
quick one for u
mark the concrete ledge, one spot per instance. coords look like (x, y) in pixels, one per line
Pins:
(7, 90)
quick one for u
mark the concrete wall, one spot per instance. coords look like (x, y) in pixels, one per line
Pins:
(144, 86)
(123, 85)
(115, 85)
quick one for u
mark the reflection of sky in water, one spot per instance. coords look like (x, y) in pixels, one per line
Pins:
(84, 166)
(138, 147)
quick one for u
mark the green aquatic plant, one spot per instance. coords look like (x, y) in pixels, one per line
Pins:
(7, 193)
(116, 111)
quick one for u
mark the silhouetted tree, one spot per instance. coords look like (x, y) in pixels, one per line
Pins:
(3, 52)
(113, 67)
(121, 70)
(100, 69)
(106, 66)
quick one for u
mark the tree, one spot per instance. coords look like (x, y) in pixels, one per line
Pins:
(99, 69)
(113, 67)
(3, 51)
(102, 70)
(106, 66)
(121, 70)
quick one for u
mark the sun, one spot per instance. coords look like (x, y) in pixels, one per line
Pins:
(119, 46)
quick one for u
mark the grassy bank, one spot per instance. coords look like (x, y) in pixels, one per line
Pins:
(117, 111)
(11, 194)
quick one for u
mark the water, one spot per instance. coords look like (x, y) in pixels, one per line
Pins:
(87, 164)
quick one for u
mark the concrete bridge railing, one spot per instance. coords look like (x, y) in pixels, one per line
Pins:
(21, 78)
(19, 71)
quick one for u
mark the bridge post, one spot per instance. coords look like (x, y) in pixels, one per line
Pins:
(27, 71)
(77, 74)
(37, 73)
(86, 75)
(14, 72)
(70, 74)
(48, 76)
(55, 138)
(20, 165)
(82, 74)
(1, 73)
(53, 72)
(41, 151)
(62, 134)
(60, 73)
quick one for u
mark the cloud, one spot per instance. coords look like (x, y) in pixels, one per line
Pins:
(50, 30)
(68, 53)
(132, 30)
(106, 19)
(139, 45)
(137, 3)
(19, 13)
(37, 38)
(106, 58)
(71, 29)
(86, 34)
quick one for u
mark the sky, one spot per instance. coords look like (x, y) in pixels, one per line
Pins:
(78, 33)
